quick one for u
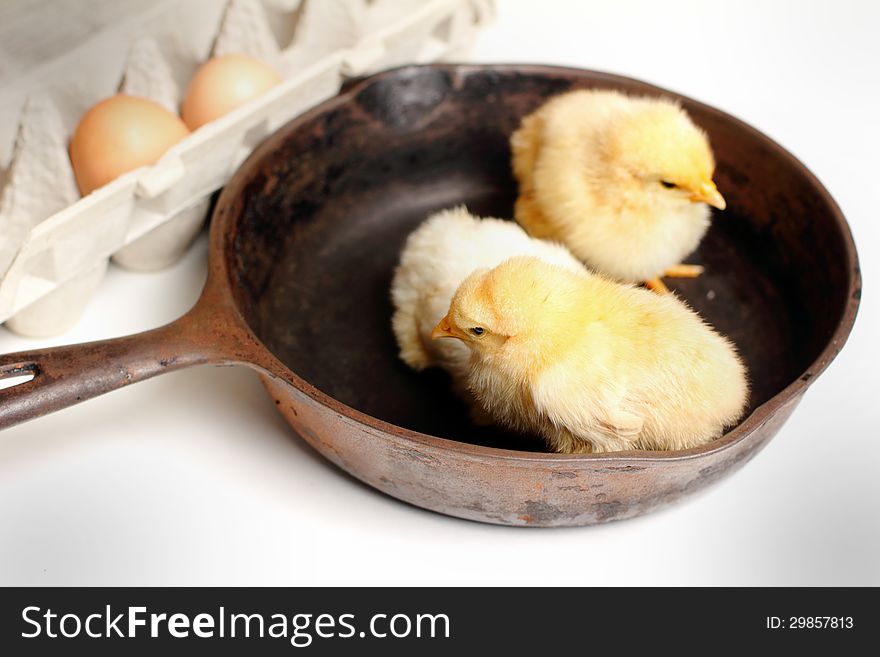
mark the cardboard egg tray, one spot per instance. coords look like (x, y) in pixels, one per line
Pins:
(55, 246)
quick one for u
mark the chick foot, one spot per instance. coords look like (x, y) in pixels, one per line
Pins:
(678, 271)
(684, 271)
(656, 285)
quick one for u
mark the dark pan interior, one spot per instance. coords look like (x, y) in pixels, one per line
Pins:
(335, 194)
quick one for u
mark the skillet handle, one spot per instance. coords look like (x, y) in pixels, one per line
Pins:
(64, 376)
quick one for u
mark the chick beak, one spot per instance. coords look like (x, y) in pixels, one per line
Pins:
(708, 193)
(443, 330)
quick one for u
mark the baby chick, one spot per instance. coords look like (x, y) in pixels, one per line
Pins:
(592, 365)
(437, 257)
(622, 181)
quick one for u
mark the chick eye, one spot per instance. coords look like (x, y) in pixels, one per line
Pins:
(478, 330)
(668, 185)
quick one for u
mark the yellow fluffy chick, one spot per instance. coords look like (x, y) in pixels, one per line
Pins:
(622, 181)
(437, 257)
(592, 365)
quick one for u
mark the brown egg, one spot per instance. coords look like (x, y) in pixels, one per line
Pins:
(119, 134)
(222, 84)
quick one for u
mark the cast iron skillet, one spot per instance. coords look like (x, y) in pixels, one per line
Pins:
(302, 248)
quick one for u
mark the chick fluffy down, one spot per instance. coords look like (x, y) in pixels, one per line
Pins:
(596, 366)
(436, 258)
(589, 165)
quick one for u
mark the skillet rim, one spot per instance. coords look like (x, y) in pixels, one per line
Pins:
(224, 223)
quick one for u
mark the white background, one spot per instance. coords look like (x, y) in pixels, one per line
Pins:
(193, 478)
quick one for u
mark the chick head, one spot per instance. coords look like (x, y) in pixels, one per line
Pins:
(665, 157)
(518, 302)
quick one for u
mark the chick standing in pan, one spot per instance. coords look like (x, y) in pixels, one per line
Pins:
(622, 181)
(437, 257)
(592, 365)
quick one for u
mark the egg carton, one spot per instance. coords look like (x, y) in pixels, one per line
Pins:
(55, 246)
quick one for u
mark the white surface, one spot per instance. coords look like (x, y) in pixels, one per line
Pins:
(193, 478)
